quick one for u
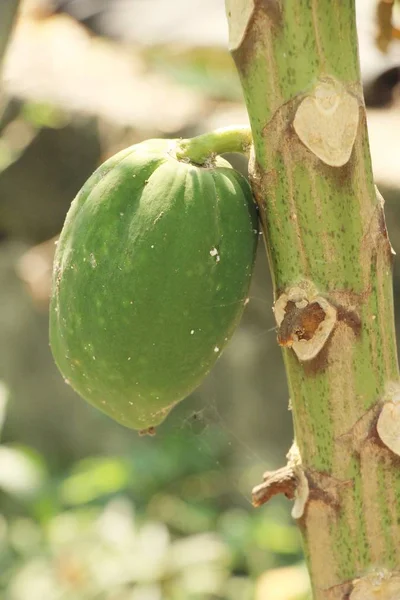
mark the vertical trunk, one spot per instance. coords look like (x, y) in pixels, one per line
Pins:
(331, 262)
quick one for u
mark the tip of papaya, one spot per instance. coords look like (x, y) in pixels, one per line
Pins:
(149, 431)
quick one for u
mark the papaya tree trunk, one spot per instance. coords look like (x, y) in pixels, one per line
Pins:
(331, 263)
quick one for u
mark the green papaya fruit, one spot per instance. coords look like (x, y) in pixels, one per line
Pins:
(151, 275)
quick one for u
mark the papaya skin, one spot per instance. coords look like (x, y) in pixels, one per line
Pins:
(151, 275)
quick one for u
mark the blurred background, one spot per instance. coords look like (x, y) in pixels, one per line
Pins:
(88, 509)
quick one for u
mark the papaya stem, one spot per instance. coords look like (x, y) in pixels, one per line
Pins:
(226, 139)
(331, 266)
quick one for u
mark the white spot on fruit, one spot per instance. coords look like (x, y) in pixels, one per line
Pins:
(216, 349)
(326, 122)
(192, 332)
(214, 253)
(92, 260)
(238, 13)
(158, 217)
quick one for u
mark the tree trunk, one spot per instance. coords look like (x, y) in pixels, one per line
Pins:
(331, 263)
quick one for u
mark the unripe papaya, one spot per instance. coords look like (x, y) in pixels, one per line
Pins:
(151, 275)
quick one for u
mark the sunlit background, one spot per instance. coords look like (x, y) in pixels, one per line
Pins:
(88, 509)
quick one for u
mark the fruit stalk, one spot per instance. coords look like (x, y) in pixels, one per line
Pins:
(331, 263)
(204, 147)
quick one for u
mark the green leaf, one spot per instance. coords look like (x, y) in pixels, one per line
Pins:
(94, 478)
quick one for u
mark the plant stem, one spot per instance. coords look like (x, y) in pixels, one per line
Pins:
(202, 147)
(331, 263)
(8, 13)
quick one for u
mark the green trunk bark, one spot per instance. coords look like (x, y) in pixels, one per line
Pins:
(331, 263)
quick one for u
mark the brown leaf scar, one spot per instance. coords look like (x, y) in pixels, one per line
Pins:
(388, 425)
(305, 320)
(381, 584)
(239, 13)
(326, 122)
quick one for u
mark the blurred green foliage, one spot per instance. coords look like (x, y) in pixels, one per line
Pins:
(140, 526)
(210, 70)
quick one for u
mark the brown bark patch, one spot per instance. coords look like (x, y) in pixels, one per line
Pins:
(300, 323)
(282, 481)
